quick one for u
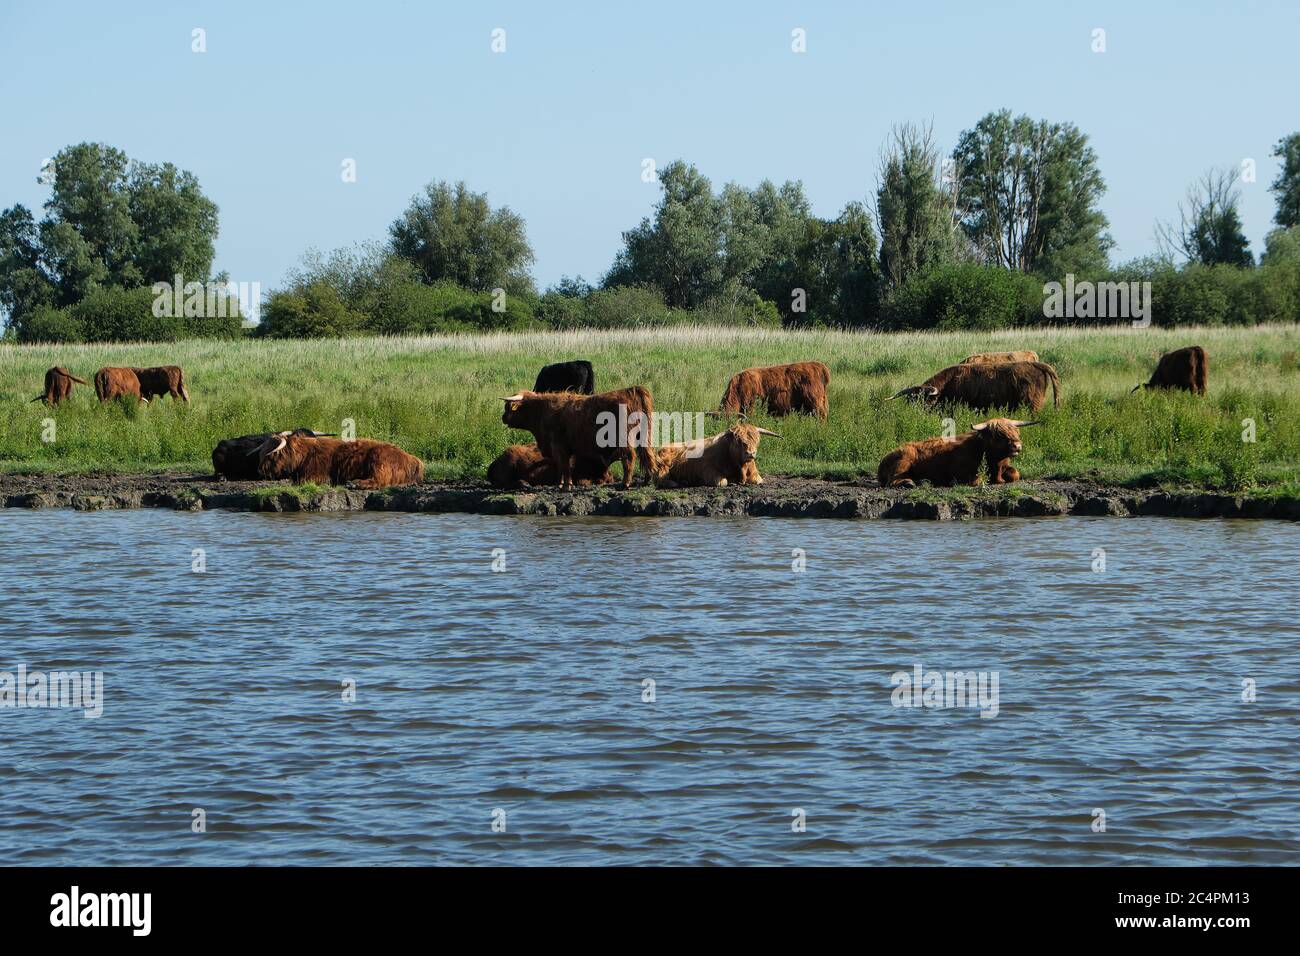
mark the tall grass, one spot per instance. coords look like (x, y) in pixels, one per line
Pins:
(439, 397)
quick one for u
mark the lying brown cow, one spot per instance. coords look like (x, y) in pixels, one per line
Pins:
(1008, 385)
(569, 426)
(58, 386)
(956, 461)
(521, 465)
(800, 387)
(363, 463)
(236, 459)
(141, 383)
(725, 458)
(997, 358)
(1182, 368)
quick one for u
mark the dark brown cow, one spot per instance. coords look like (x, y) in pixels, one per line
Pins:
(1182, 368)
(799, 387)
(111, 382)
(363, 463)
(606, 426)
(997, 358)
(725, 458)
(58, 386)
(162, 380)
(521, 465)
(1008, 385)
(236, 459)
(956, 461)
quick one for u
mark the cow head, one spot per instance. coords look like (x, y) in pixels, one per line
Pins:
(917, 393)
(282, 452)
(520, 411)
(743, 440)
(1001, 437)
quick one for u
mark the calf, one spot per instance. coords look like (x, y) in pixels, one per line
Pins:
(1186, 369)
(236, 459)
(956, 461)
(576, 376)
(58, 386)
(799, 387)
(521, 465)
(997, 358)
(725, 458)
(1007, 385)
(363, 463)
(607, 426)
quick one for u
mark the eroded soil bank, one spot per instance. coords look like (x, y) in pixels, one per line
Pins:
(777, 497)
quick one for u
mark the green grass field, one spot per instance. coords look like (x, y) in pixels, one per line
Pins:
(439, 397)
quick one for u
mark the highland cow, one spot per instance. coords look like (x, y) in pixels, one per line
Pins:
(981, 387)
(162, 380)
(785, 389)
(1185, 369)
(568, 426)
(58, 386)
(956, 461)
(362, 463)
(236, 459)
(998, 358)
(112, 382)
(725, 458)
(576, 376)
(521, 465)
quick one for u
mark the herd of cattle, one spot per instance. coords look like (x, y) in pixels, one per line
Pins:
(580, 434)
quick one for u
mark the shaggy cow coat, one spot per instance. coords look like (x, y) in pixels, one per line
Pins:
(1006, 385)
(58, 386)
(1187, 369)
(956, 461)
(576, 376)
(800, 387)
(362, 463)
(521, 465)
(997, 358)
(725, 458)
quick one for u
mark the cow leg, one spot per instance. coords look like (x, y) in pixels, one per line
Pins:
(629, 460)
(902, 483)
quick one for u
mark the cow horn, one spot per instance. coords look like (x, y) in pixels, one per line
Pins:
(765, 431)
(899, 394)
(1025, 424)
(1135, 388)
(316, 434)
(266, 448)
(517, 397)
(980, 427)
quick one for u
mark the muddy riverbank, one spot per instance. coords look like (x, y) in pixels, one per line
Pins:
(777, 497)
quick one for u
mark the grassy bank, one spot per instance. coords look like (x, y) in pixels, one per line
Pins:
(439, 397)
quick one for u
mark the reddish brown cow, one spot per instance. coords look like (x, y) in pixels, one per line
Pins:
(1007, 385)
(725, 458)
(363, 463)
(521, 465)
(997, 358)
(1182, 368)
(799, 387)
(604, 427)
(956, 461)
(58, 386)
(111, 382)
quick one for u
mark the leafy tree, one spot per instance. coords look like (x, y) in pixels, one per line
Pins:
(451, 233)
(176, 223)
(1209, 226)
(1281, 245)
(837, 265)
(916, 215)
(1028, 195)
(1287, 184)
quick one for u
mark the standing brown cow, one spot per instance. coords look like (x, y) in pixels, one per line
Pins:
(361, 462)
(142, 383)
(997, 358)
(111, 382)
(1186, 369)
(606, 426)
(58, 386)
(1008, 385)
(799, 387)
(956, 461)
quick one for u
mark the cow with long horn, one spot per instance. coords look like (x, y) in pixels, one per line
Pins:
(1004, 385)
(362, 462)
(728, 457)
(236, 459)
(58, 386)
(956, 461)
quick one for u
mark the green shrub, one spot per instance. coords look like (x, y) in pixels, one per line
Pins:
(964, 296)
(315, 311)
(48, 324)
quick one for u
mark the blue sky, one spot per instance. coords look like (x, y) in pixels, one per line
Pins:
(558, 125)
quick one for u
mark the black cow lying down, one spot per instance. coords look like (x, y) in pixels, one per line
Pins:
(576, 376)
(235, 459)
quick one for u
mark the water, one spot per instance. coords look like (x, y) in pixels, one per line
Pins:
(522, 690)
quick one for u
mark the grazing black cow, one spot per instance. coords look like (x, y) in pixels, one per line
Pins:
(576, 376)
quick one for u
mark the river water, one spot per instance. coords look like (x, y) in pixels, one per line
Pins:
(505, 716)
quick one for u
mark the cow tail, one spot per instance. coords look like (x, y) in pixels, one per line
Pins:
(1056, 385)
(101, 385)
(180, 384)
(79, 381)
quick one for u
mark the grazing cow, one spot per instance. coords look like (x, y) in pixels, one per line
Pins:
(363, 463)
(725, 458)
(236, 459)
(576, 376)
(997, 358)
(604, 427)
(162, 380)
(110, 382)
(521, 465)
(58, 386)
(1181, 368)
(1008, 385)
(800, 387)
(956, 461)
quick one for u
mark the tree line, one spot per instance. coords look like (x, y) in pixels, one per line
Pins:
(964, 239)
